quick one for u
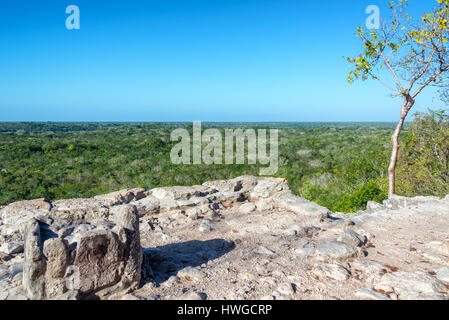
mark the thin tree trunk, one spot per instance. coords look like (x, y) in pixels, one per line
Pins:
(408, 104)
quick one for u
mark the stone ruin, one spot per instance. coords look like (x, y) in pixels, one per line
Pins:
(244, 238)
(76, 261)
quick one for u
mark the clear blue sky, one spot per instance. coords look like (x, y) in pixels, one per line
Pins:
(174, 60)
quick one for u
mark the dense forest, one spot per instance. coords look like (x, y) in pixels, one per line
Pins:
(338, 165)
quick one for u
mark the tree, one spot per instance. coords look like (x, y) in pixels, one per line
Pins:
(414, 52)
(424, 159)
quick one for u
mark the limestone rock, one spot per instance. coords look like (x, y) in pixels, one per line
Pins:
(206, 225)
(352, 238)
(337, 250)
(442, 274)
(439, 247)
(398, 202)
(332, 271)
(369, 270)
(96, 261)
(263, 205)
(247, 208)
(266, 188)
(34, 266)
(300, 206)
(190, 274)
(12, 248)
(148, 206)
(193, 296)
(180, 193)
(305, 252)
(369, 294)
(78, 210)
(194, 213)
(132, 297)
(372, 206)
(121, 197)
(243, 184)
(227, 198)
(16, 215)
(286, 289)
(412, 285)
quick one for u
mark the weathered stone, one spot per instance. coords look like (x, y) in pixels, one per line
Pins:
(369, 270)
(335, 250)
(265, 188)
(300, 206)
(34, 266)
(372, 206)
(412, 285)
(3, 295)
(398, 202)
(147, 206)
(98, 260)
(4, 271)
(247, 208)
(369, 294)
(264, 251)
(332, 271)
(190, 274)
(57, 256)
(12, 248)
(305, 252)
(442, 274)
(129, 221)
(212, 215)
(194, 213)
(227, 198)
(263, 205)
(41, 206)
(247, 276)
(352, 238)
(16, 215)
(132, 297)
(243, 184)
(121, 197)
(78, 210)
(193, 296)
(181, 193)
(439, 247)
(164, 219)
(68, 296)
(286, 289)
(206, 225)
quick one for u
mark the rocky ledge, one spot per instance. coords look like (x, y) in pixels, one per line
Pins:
(245, 238)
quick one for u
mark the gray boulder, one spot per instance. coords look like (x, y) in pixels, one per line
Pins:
(352, 238)
(11, 248)
(335, 250)
(300, 206)
(412, 285)
(16, 215)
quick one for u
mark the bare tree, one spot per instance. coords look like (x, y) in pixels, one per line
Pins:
(406, 55)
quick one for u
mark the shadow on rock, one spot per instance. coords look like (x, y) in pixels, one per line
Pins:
(167, 260)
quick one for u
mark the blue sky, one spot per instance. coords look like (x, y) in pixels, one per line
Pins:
(174, 60)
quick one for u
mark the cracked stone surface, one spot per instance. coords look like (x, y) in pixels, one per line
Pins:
(245, 238)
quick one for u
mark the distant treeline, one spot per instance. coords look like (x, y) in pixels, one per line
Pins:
(340, 166)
